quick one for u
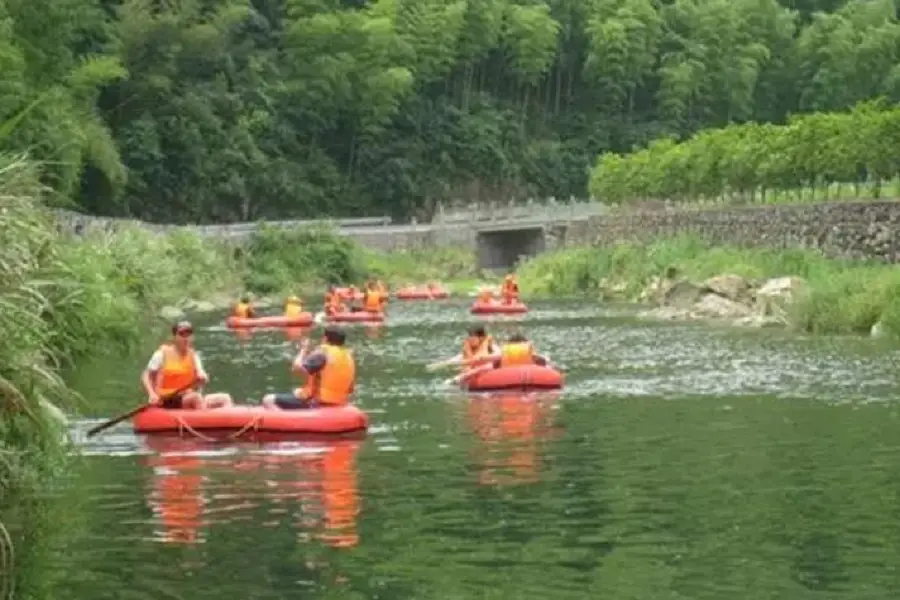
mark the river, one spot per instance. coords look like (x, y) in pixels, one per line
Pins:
(681, 461)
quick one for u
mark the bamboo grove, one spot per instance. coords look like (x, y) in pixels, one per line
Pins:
(202, 110)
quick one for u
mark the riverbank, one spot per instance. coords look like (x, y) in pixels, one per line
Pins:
(685, 278)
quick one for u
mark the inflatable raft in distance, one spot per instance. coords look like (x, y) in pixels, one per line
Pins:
(498, 308)
(355, 317)
(525, 377)
(343, 419)
(302, 320)
(422, 293)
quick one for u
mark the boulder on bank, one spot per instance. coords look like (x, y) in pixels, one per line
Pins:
(727, 297)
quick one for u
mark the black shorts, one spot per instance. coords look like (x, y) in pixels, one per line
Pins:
(173, 403)
(288, 401)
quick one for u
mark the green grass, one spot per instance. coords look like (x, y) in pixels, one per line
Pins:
(841, 296)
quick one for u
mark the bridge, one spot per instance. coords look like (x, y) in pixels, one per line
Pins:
(501, 233)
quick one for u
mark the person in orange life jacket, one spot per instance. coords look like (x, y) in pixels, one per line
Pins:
(510, 289)
(244, 309)
(174, 366)
(330, 375)
(333, 303)
(518, 350)
(373, 301)
(477, 343)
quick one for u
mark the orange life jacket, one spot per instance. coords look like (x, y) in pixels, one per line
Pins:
(372, 301)
(177, 371)
(293, 309)
(475, 346)
(518, 353)
(242, 310)
(332, 385)
(486, 297)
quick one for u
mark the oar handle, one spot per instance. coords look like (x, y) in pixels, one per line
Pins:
(138, 409)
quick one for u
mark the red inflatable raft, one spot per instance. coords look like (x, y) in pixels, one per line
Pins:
(498, 308)
(422, 294)
(344, 419)
(526, 377)
(356, 317)
(301, 320)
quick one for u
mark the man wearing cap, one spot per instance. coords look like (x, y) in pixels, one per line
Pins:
(330, 373)
(173, 372)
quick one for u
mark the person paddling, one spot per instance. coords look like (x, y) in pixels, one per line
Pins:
(244, 309)
(517, 351)
(175, 366)
(477, 343)
(330, 373)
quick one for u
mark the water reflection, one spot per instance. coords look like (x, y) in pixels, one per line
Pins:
(510, 428)
(309, 485)
(373, 331)
(176, 494)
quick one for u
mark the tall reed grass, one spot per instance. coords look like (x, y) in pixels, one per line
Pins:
(841, 296)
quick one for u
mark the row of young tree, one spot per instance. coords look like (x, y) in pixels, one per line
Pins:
(203, 110)
(807, 156)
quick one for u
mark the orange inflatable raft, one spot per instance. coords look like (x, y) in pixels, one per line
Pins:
(423, 293)
(301, 320)
(526, 377)
(498, 308)
(356, 317)
(344, 419)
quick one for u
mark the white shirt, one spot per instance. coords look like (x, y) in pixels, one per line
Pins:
(156, 363)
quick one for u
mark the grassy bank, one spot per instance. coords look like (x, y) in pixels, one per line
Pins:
(840, 297)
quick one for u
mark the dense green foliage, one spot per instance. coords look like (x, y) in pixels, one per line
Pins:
(235, 110)
(301, 259)
(814, 156)
(839, 296)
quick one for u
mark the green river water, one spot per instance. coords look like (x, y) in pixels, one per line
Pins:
(681, 461)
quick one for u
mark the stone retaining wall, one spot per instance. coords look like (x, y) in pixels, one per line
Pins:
(857, 230)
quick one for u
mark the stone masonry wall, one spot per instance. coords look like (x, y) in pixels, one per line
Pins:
(856, 230)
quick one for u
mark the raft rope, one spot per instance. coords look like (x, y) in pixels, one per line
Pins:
(252, 424)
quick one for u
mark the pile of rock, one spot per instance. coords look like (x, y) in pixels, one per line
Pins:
(728, 297)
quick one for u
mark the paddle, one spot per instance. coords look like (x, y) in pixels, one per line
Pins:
(139, 409)
(441, 364)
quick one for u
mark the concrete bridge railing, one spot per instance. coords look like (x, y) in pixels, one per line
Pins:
(78, 223)
(502, 215)
(549, 210)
